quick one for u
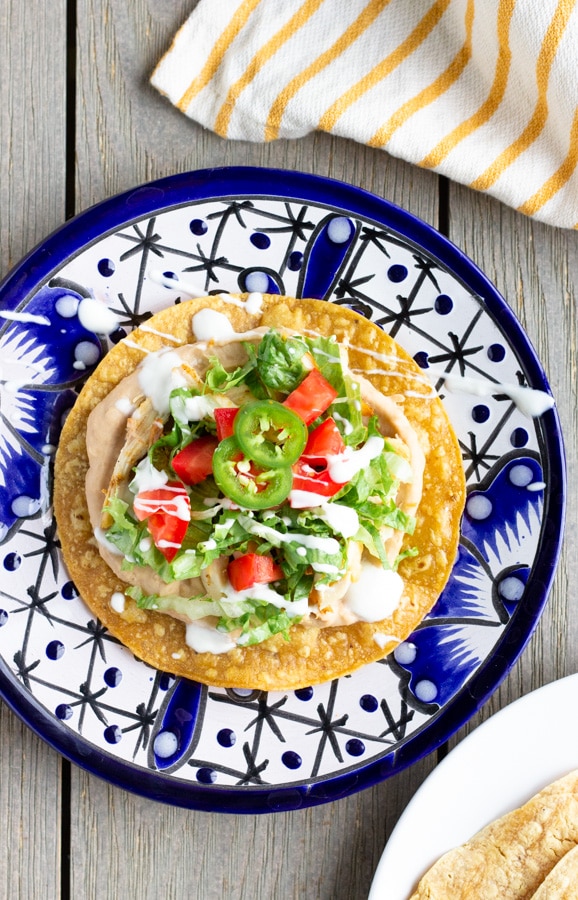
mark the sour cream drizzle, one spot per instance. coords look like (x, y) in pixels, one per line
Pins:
(344, 466)
(342, 519)
(97, 317)
(161, 334)
(125, 406)
(394, 373)
(252, 304)
(176, 506)
(194, 408)
(147, 478)
(203, 638)
(208, 324)
(117, 602)
(158, 375)
(324, 544)
(177, 284)
(134, 346)
(530, 402)
(376, 593)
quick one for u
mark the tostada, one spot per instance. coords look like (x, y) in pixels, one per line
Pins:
(257, 491)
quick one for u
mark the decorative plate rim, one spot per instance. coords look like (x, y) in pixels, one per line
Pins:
(187, 188)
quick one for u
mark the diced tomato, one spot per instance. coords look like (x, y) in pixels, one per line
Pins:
(167, 511)
(325, 440)
(167, 533)
(172, 500)
(311, 471)
(224, 418)
(195, 461)
(312, 397)
(313, 478)
(250, 569)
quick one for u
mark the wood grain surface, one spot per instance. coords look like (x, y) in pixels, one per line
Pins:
(78, 123)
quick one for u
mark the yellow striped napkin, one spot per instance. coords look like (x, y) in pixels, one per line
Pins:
(483, 91)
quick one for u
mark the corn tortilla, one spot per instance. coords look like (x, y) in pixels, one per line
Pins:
(517, 856)
(313, 655)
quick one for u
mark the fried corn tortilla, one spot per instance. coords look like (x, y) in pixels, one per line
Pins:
(313, 654)
(517, 856)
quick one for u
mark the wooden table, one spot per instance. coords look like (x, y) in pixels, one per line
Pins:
(79, 123)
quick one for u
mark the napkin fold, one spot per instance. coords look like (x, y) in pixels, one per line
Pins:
(483, 91)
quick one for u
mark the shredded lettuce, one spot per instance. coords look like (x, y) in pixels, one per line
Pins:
(219, 380)
(254, 619)
(274, 622)
(397, 464)
(346, 408)
(278, 365)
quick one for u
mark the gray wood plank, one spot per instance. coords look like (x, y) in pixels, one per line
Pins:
(123, 845)
(32, 126)
(127, 134)
(32, 203)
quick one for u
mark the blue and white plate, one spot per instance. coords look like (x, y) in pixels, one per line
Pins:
(288, 233)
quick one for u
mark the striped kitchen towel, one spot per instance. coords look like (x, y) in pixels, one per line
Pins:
(483, 91)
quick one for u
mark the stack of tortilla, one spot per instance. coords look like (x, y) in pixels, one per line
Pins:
(528, 854)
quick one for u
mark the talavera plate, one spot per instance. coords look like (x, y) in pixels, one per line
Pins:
(262, 230)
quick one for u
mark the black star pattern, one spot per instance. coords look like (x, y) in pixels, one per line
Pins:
(292, 224)
(144, 243)
(457, 355)
(129, 317)
(326, 726)
(96, 634)
(406, 313)
(396, 727)
(477, 460)
(23, 668)
(328, 729)
(48, 549)
(394, 319)
(266, 713)
(209, 265)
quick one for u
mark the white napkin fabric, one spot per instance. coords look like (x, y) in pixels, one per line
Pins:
(482, 91)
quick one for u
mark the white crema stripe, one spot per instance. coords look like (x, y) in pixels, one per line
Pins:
(323, 544)
(158, 375)
(208, 324)
(375, 595)
(529, 401)
(344, 466)
(204, 639)
(177, 505)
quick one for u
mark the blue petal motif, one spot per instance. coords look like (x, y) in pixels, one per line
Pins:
(178, 725)
(326, 254)
(44, 355)
(506, 500)
(453, 639)
(485, 587)
(468, 593)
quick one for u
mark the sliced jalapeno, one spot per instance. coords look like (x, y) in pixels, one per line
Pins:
(246, 483)
(270, 434)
